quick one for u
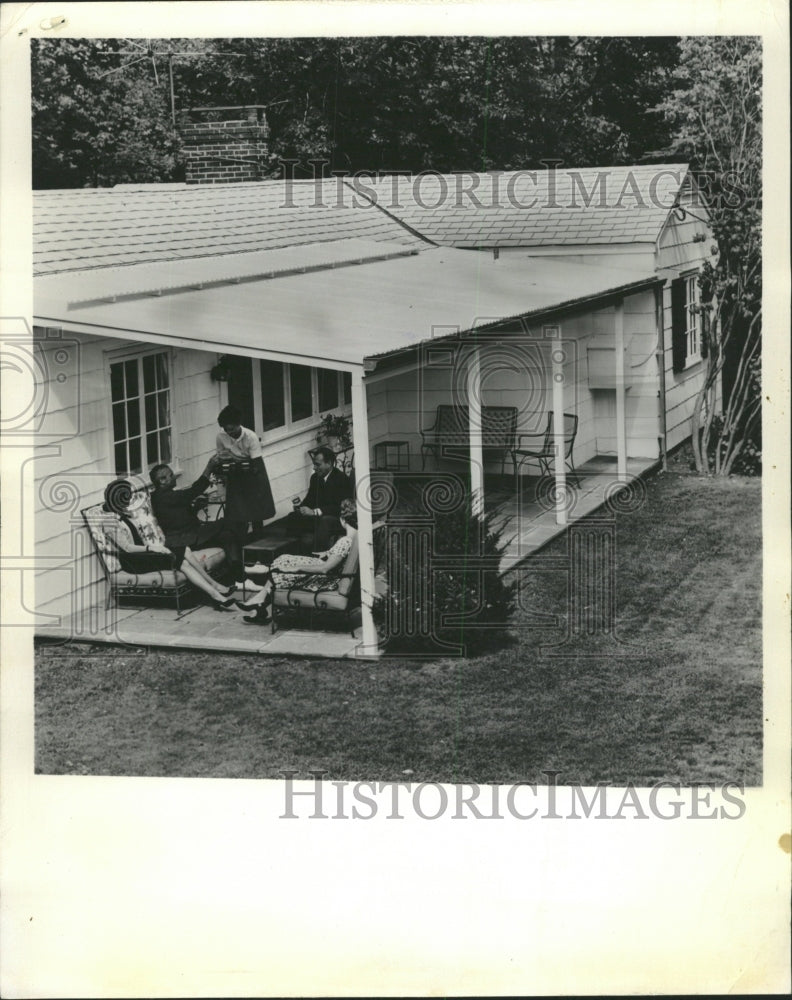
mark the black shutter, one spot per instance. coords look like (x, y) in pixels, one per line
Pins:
(679, 323)
(705, 329)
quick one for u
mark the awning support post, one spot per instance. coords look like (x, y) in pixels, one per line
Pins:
(475, 432)
(558, 355)
(360, 440)
(621, 410)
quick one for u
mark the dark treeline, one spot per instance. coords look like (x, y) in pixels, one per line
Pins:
(102, 108)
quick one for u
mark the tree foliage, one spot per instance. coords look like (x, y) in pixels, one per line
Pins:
(715, 110)
(383, 103)
(95, 130)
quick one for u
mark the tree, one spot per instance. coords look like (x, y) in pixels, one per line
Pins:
(715, 112)
(381, 103)
(94, 129)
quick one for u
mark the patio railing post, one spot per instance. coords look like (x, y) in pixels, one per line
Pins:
(475, 432)
(621, 424)
(360, 439)
(559, 465)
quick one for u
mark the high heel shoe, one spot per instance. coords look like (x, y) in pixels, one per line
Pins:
(260, 618)
(227, 605)
(257, 569)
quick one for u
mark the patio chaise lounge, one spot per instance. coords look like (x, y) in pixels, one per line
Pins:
(317, 593)
(142, 588)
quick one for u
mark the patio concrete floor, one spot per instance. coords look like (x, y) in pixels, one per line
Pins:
(529, 527)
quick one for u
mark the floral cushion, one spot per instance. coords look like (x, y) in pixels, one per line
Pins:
(103, 528)
(142, 516)
(314, 583)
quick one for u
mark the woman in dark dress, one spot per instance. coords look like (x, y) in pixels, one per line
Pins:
(137, 557)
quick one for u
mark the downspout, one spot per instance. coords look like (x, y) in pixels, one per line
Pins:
(660, 355)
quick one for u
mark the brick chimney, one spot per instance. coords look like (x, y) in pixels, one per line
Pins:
(224, 144)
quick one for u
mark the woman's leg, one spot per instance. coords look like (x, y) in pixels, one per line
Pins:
(191, 558)
(199, 580)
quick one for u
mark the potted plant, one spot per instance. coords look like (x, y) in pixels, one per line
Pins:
(335, 431)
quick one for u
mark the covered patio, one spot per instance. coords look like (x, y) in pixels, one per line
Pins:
(528, 525)
(364, 311)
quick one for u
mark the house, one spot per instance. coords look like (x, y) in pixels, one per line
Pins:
(649, 218)
(319, 301)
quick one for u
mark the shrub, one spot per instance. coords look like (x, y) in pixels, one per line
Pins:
(447, 566)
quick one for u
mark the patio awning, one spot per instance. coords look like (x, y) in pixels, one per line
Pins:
(334, 304)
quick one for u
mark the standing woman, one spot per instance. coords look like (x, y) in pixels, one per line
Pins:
(248, 493)
(137, 557)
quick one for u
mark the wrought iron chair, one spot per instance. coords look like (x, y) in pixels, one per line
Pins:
(544, 454)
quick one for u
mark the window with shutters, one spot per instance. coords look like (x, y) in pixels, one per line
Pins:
(686, 322)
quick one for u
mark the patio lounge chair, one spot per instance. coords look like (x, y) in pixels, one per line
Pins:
(544, 452)
(320, 592)
(141, 588)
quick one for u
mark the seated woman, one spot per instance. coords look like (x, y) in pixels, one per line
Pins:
(286, 569)
(135, 557)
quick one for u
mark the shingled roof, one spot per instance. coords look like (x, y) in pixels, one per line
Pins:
(587, 206)
(87, 228)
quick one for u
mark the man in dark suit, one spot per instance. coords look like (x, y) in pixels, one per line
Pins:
(316, 516)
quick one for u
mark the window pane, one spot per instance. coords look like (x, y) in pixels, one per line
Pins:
(135, 460)
(328, 389)
(273, 413)
(240, 387)
(151, 412)
(301, 402)
(149, 382)
(117, 382)
(163, 408)
(152, 448)
(133, 417)
(163, 382)
(119, 424)
(346, 381)
(164, 446)
(131, 373)
(121, 466)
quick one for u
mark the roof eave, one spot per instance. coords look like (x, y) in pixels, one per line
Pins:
(558, 311)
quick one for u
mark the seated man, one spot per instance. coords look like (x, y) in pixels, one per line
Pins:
(174, 511)
(316, 517)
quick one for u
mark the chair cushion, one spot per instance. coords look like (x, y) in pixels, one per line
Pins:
(350, 566)
(142, 516)
(325, 600)
(103, 527)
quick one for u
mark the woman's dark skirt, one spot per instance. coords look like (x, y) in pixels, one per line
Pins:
(249, 495)
(149, 562)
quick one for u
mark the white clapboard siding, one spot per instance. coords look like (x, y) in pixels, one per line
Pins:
(681, 250)
(72, 472)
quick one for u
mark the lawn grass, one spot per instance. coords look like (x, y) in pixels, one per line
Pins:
(681, 702)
